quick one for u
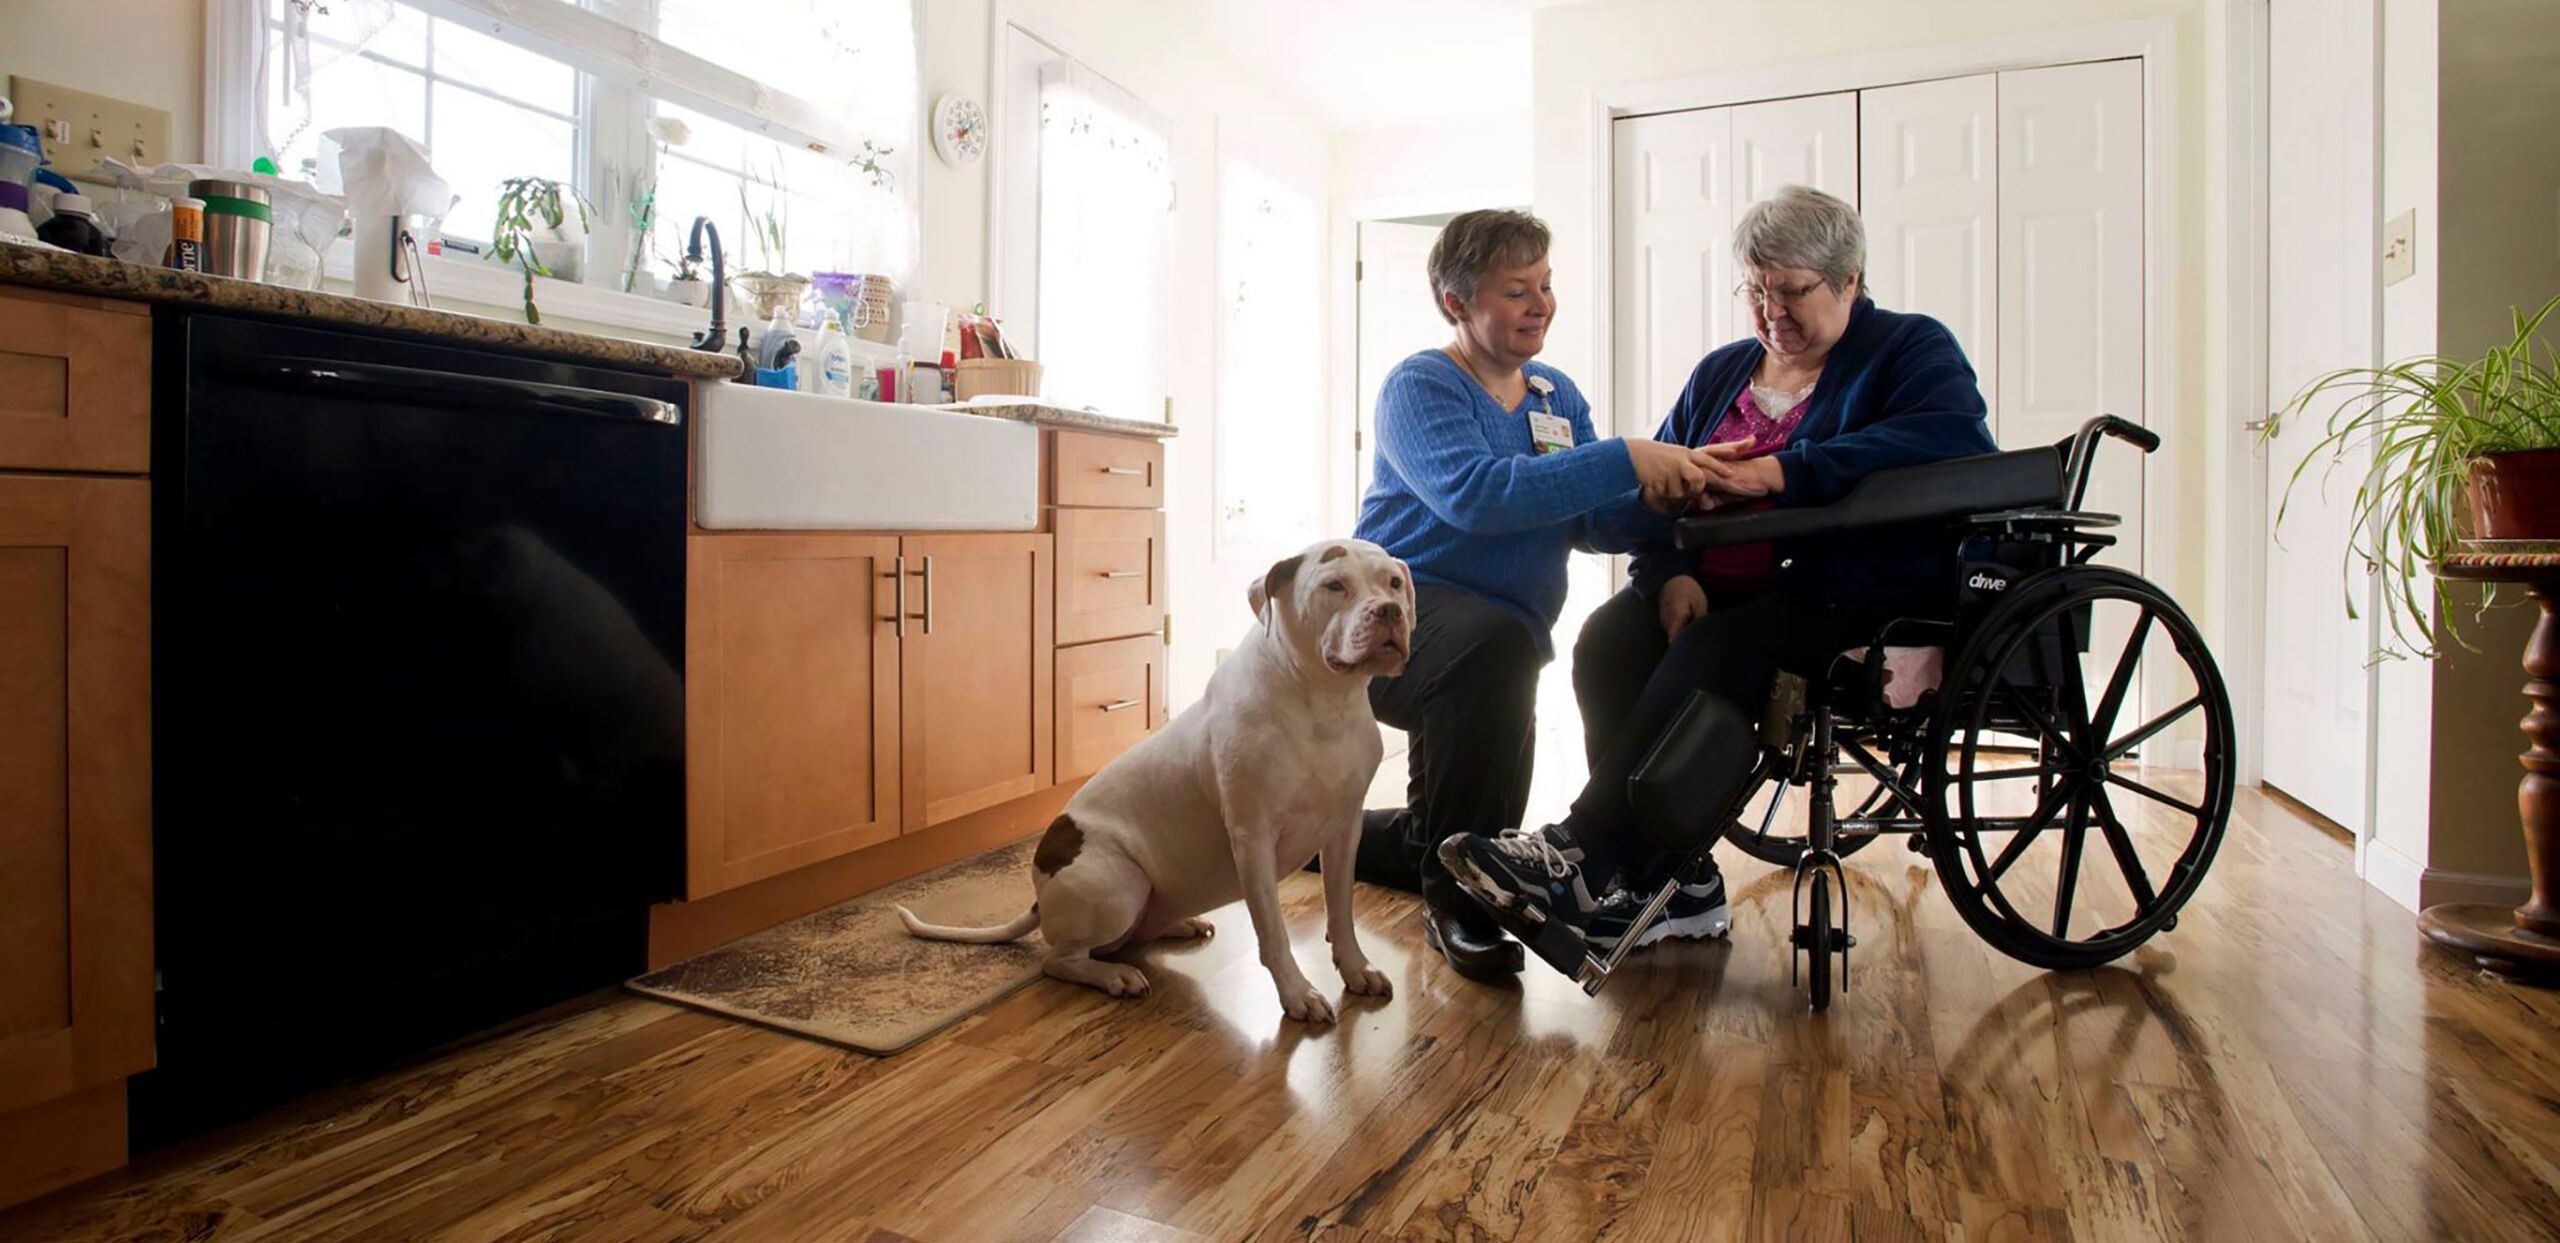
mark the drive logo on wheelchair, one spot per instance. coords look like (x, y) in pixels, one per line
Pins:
(1984, 581)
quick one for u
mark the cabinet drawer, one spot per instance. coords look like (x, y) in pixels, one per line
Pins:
(1110, 573)
(1110, 695)
(1112, 472)
(75, 385)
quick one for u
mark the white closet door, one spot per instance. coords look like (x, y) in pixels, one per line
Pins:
(1930, 176)
(2070, 312)
(2322, 260)
(1673, 279)
(1811, 140)
(1396, 320)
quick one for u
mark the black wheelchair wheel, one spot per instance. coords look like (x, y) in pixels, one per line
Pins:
(1817, 919)
(2074, 856)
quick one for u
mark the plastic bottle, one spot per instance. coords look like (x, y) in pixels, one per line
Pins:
(186, 235)
(74, 226)
(833, 364)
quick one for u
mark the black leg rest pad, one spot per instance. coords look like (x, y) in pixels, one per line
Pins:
(1555, 943)
(1695, 777)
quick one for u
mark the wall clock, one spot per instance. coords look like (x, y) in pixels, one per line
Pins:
(959, 130)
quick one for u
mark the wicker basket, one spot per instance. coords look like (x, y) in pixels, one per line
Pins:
(979, 377)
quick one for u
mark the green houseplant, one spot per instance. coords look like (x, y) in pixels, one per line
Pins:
(769, 287)
(2463, 449)
(533, 218)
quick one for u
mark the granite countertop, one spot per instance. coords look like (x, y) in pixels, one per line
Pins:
(1034, 410)
(66, 272)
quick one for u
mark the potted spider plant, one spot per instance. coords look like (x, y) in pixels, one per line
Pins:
(2463, 449)
(769, 287)
(542, 229)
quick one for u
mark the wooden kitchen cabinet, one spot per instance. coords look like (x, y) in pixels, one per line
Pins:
(1110, 573)
(977, 665)
(1110, 697)
(792, 703)
(75, 823)
(75, 383)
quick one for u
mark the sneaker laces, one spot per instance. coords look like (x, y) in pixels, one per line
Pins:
(1534, 846)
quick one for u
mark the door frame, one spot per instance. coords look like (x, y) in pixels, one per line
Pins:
(1342, 332)
(2153, 41)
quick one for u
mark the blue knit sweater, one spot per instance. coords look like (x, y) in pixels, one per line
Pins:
(1463, 496)
(1896, 391)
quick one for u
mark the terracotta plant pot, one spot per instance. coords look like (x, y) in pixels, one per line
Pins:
(2516, 495)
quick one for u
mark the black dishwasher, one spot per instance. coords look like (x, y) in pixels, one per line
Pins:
(418, 637)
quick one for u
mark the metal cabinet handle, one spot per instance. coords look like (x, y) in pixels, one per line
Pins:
(898, 611)
(1124, 573)
(1120, 705)
(1123, 470)
(928, 594)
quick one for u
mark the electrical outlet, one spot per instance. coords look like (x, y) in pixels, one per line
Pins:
(2400, 247)
(82, 129)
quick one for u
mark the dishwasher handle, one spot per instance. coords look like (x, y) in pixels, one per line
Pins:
(416, 386)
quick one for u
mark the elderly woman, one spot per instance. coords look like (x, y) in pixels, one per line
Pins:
(1488, 475)
(1828, 388)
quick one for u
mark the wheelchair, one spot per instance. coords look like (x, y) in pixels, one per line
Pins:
(2001, 736)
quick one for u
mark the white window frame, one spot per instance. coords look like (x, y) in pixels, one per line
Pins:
(619, 71)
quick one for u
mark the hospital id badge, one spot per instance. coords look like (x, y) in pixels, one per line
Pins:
(1553, 433)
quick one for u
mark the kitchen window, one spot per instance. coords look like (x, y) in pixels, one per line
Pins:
(797, 113)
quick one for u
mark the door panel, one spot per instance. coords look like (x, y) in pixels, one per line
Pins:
(977, 666)
(1396, 320)
(2321, 165)
(793, 738)
(1930, 169)
(1674, 276)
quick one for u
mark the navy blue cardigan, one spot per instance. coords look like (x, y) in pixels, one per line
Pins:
(1895, 391)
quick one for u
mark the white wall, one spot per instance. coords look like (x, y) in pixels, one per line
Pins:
(149, 52)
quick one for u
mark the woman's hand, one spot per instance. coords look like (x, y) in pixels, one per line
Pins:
(1666, 471)
(1729, 473)
(1682, 601)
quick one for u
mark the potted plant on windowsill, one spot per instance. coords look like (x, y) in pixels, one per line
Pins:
(542, 229)
(768, 287)
(2464, 449)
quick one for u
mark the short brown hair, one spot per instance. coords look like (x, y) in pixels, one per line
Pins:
(1474, 243)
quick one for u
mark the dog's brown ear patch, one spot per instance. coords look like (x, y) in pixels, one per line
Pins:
(1335, 553)
(1058, 846)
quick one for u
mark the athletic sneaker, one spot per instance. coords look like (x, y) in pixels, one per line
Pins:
(1530, 875)
(1696, 911)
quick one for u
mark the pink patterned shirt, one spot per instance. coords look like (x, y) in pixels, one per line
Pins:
(1747, 567)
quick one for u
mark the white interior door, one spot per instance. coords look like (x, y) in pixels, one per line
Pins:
(1396, 319)
(1672, 278)
(2321, 254)
(1929, 174)
(1811, 140)
(2071, 336)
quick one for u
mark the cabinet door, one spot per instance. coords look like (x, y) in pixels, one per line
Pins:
(1110, 573)
(1110, 695)
(1674, 277)
(977, 667)
(75, 782)
(75, 382)
(792, 729)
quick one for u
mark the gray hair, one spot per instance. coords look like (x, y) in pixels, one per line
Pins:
(1474, 243)
(1801, 227)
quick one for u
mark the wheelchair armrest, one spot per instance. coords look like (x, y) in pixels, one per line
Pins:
(1951, 489)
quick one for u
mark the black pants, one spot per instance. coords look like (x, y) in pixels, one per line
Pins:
(1468, 704)
(1631, 681)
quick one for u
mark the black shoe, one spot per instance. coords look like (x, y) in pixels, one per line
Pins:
(1531, 875)
(1462, 932)
(1696, 911)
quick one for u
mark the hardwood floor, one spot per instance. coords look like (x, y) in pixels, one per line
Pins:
(2291, 1062)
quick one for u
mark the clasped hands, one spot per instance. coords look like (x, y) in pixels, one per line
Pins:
(1673, 478)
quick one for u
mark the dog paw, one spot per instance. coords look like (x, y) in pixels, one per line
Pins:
(1366, 980)
(1123, 980)
(1305, 1004)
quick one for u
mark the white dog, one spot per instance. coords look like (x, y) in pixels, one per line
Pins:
(1267, 770)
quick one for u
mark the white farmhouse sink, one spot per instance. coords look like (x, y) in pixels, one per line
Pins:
(775, 459)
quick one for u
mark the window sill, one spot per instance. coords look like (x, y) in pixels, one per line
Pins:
(479, 283)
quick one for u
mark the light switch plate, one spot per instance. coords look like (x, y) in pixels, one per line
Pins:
(2400, 247)
(97, 127)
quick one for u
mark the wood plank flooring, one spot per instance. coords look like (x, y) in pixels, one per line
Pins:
(2291, 1062)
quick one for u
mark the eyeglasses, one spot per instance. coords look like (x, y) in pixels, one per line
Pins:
(1784, 296)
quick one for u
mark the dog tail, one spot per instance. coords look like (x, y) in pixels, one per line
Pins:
(1015, 931)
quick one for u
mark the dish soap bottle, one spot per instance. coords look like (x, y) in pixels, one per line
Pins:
(832, 361)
